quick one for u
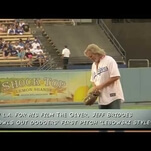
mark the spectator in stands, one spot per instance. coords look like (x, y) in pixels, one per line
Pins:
(29, 56)
(26, 27)
(28, 41)
(10, 46)
(27, 46)
(105, 78)
(1, 44)
(11, 30)
(21, 52)
(37, 39)
(4, 45)
(19, 30)
(3, 28)
(16, 45)
(21, 43)
(65, 55)
(38, 23)
(13, 52)
(16, 23)
(37, 51)
(35, 44)
(21, 23)
(31, 49)
(6, 52)
(41, 58)
(3, 41)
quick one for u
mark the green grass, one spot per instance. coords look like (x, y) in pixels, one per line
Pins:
(137, 107)
(81, 106)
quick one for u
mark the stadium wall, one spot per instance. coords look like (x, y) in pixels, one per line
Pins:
(67, 85)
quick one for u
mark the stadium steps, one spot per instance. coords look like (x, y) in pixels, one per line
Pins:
(46, 45)
(77, 38)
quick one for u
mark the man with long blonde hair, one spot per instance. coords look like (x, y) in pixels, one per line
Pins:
(105, 77)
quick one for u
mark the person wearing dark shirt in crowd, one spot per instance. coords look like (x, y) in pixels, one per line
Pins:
(19, 30)
(25, 27)
(6, 52)
(13, 52)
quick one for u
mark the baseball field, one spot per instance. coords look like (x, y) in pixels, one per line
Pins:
(74, 106)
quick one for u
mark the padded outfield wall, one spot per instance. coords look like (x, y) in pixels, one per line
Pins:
(67, 85)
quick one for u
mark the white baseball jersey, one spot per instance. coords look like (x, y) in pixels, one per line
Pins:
(66, 52)
(107, 68)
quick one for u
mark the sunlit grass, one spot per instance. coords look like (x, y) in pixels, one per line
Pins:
(137, 107)
(82, 106)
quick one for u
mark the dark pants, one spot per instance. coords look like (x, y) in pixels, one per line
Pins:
(65, 62)
(113, 105)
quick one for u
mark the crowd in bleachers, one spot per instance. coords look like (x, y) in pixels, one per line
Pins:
(16, 27)
(29, 49)
(23, 50)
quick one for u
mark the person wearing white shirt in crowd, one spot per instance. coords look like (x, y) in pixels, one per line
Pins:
(37, 51)
(105, 77)
(65, 55)
(31, 49)
(11, 30)
(16, 45)
(21, 23)
(35, 44)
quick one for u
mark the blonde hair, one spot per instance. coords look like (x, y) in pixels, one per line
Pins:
(94, 49)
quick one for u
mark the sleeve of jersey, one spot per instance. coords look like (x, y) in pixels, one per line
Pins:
(63, 52)
(113, 68)
(92, 74)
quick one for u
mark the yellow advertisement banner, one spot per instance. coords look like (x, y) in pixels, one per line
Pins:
(44, 86)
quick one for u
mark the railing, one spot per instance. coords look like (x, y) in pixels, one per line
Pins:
(48, 65)
(130, 60)
(114, 41)
(79, 60)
